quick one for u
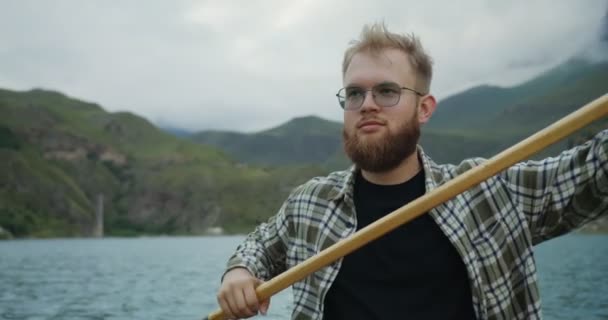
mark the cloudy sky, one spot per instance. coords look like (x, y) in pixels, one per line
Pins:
(249, 65)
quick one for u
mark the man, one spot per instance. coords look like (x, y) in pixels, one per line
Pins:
(470, 258)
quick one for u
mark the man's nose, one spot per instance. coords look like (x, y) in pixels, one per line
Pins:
(369, 103)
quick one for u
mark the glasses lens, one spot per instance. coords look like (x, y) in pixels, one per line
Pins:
(387, 95)
(354, 97)
(384, 95)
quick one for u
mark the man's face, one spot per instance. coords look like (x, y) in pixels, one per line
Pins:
(377, 138)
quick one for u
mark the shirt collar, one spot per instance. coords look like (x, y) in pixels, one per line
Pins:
(344, 186)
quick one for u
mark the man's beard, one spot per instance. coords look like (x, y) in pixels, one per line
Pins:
(382, 154)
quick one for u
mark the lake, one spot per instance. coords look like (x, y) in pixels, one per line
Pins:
(177, 278)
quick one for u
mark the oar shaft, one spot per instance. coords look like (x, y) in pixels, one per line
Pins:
(521, 151)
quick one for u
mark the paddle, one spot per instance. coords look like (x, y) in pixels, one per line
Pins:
(521, 151)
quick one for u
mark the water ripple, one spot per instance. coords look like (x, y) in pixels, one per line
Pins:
(177, 278)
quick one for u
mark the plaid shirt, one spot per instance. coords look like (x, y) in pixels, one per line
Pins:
(493, 226)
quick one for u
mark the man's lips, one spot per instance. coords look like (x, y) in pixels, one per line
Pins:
(366, 123)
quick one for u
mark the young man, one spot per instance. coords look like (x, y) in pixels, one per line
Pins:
(470, 258)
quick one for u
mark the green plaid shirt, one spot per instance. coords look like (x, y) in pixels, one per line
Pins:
(493, 226)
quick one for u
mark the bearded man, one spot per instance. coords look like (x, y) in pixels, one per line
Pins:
(469, 258)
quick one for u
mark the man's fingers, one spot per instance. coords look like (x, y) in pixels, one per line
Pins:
(237, 294)
(221, 299)
(241, 304)
(251, 299)
(264, 305)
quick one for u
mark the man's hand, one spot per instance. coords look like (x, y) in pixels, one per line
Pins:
(237, 296)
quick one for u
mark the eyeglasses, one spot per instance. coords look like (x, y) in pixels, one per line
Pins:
(385, 95)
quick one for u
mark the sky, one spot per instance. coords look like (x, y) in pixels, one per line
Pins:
(251, 65)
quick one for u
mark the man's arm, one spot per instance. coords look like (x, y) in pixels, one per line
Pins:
(263, 251)
(260, 257)
(562, 193)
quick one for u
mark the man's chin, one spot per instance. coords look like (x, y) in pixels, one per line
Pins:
(371, 138)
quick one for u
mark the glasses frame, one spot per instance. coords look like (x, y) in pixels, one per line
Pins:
(342, 99)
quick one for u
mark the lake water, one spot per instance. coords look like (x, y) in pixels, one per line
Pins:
(177, 278)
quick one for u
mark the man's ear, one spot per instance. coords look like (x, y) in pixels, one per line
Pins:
(426, 107)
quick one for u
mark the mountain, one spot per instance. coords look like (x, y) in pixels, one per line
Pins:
(59, 154)
(520, 111)
(178, 132)
(304, 140)
(556, 92)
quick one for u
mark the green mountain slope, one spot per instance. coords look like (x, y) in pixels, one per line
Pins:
(306, 140)
(60, 153)
(581, 83)
(484, 107)
(548, 98)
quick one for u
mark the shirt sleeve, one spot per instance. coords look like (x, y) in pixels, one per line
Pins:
(263, 251)
(559, 194)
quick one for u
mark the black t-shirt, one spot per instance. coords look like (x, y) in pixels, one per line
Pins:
(412, 272)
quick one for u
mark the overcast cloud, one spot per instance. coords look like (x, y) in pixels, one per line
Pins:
(250, 65)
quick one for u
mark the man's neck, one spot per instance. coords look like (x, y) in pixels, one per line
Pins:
(402, 173)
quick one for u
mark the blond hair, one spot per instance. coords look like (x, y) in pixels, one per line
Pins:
(376, 38)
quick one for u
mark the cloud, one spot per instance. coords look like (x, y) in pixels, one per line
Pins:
(249, 65)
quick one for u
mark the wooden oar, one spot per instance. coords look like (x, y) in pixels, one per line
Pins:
(519, 152)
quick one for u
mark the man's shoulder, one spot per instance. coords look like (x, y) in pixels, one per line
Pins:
(326, 186)
(446, 171)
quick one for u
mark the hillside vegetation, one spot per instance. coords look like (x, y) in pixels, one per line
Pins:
(60, 153)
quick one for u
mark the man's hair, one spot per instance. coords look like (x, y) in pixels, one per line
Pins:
(376, 38)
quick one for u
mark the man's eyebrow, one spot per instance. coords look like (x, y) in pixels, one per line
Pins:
(353, 86)
(387, 83)
(383, 83)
